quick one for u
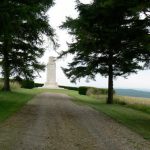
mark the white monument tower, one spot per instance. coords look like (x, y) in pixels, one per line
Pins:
(51, 74)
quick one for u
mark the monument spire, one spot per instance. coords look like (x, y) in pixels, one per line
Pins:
(51, 74)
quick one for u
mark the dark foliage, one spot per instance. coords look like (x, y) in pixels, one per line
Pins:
(98, 91)
(111, 38)
(27, 84)
(69, 87)
(38, 85)
(23, 24)
(83, 90)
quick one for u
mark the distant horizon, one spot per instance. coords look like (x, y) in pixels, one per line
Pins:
(128, 88)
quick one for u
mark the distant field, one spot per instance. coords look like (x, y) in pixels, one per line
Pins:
(142, 104)
(133, 93)
(133, 100)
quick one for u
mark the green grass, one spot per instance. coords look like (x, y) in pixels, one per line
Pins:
(11, 102)
(136, 120)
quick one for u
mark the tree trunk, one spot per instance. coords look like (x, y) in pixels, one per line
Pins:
(6, 69)
(110, 81)
(110, 86)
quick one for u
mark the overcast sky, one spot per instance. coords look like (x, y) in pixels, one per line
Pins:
(57, 15)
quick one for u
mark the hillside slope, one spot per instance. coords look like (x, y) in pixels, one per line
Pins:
(133, 93)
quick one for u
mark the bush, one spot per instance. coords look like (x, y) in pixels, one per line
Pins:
(96, 91)
(83, 90)
(27, 84)
(38, 85)
(92, 91)
(69, 87)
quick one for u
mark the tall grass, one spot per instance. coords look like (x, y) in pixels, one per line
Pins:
(13, 85)
(142, 104)
(138, 103)
(132, 100)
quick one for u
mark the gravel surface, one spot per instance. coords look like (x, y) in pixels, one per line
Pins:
(53, 122)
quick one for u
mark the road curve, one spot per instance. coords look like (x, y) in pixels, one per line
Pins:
(53, 122)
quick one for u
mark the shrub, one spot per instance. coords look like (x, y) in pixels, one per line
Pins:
(27, 84)
(83, 90)
(38, 85)
(92, 91)
(97, 91)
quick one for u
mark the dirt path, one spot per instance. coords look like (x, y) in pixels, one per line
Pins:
(53, 122)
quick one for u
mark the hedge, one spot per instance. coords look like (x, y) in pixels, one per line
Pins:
(27, 84)
(83, 90)
(38, 85)
(69, 87)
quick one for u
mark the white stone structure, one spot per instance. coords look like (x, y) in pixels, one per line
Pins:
(51, 74)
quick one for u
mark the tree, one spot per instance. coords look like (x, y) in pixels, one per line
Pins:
(23, 24)
(110, 39)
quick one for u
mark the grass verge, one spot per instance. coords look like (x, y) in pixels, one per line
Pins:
(11, 102)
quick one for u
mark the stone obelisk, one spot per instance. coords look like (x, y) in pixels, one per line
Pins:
(51, 74)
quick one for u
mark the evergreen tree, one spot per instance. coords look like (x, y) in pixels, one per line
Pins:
(23, 24)
(111, 38)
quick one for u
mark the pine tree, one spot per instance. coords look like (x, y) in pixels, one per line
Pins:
(111, 39)
(23, 24)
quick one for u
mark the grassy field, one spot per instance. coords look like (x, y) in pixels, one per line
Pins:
(134, 118)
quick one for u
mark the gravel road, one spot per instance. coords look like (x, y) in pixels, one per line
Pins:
(53, 122)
